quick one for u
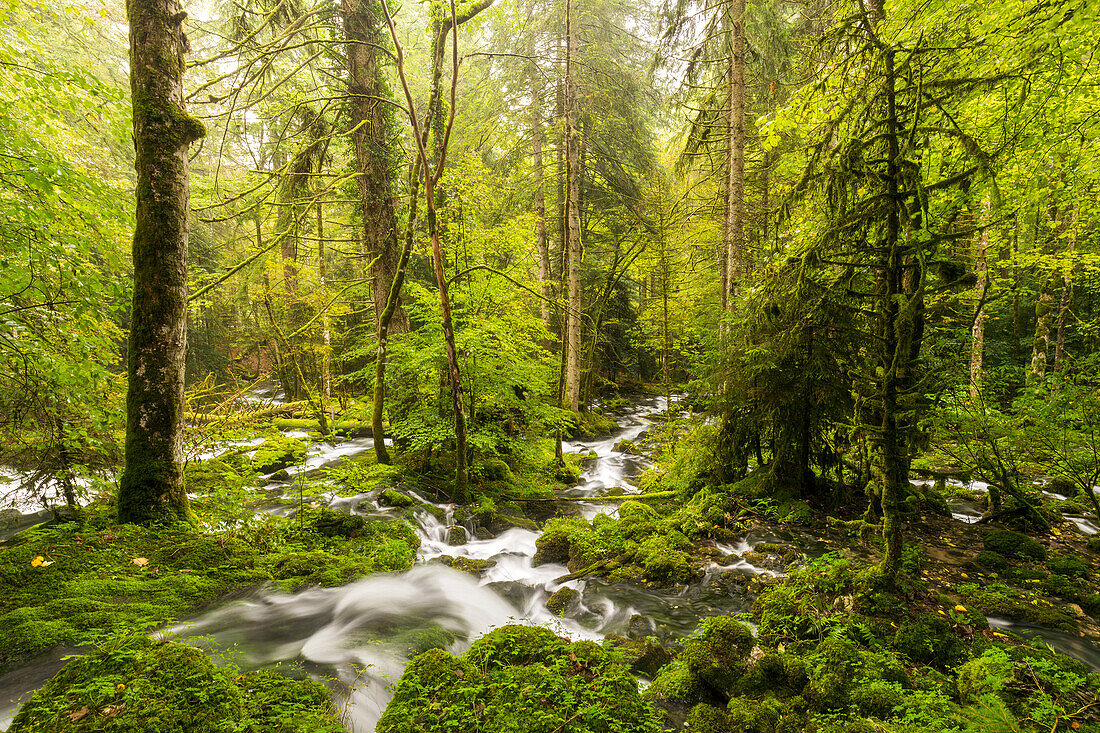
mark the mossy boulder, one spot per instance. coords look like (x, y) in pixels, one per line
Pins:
(518, 679)
(278, 452)
(394, 498)
(561, 600)
(717, 654)
(472, 565)
(992, 561)
(1014, 545)
(136, 685)
(332, 523)
(1069, 566)
(929, 639)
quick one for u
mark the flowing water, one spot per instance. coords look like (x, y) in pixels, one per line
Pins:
(360, 636)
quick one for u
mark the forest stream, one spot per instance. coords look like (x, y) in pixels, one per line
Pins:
(359, 637)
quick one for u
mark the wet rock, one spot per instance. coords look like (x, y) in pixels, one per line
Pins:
(640, 626)
(470, 565)
(500, 522)
(337, 524)
(561, 600)
(483, 534)
(394, 498)
(627, 446)
(457, 535)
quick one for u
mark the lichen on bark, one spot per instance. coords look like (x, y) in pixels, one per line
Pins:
(151, 488)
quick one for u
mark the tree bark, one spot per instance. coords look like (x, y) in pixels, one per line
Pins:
(977, 331)
(572, 218)
(1044, 306)
(542, 240)
(1067, 294)
(151, 487)
(374, 132)
(734, 219)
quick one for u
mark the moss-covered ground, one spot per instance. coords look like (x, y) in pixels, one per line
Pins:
(70, 583)
(134, 684)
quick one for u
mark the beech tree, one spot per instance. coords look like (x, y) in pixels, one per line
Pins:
(151, 488)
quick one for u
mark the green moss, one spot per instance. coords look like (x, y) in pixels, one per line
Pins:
(718, 652)
(1014, 544)
(1070, 566)
(1006, 602)
(561, 599)
(704, 718)
(753, 716)
(471, 565)
(138, 685)
(929, 639)
(593, 424)
(277, 452)
(993, 561)
(394, 498)
(675, 682)
(876, 699)
(518, 680)
(103, 578)
(984, 675)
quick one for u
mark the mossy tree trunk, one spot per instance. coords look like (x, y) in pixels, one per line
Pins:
(573, 251)
(151, 488)
(374, 133)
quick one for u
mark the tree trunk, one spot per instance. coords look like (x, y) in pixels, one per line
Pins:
(895, 345)
(374, 131)
(1044, 306)
(977, 331)
(572, 219)
(151, 488)
(540, 198)
(1067, 294)
(734, 219)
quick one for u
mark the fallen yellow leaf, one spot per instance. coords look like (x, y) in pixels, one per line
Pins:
(37, 561)
(961, 608)
(964, 575)
(140, 561)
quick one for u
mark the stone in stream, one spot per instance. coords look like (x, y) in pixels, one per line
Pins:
(457, 535)
(561, 600)
(394, 498)
(470, 565)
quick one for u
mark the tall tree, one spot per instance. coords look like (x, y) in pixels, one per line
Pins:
(151, 487)
(571, 342)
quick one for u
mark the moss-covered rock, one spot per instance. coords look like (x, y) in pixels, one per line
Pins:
(929, 639)
(278, 452)
(394, 498)
(96, 578)
(1070, 566)
(139, 685)
(993, 561)
(472, 565)
(1003, 601)
(717, 654)
(561, 599)
(1014, 544)
(518, 679)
